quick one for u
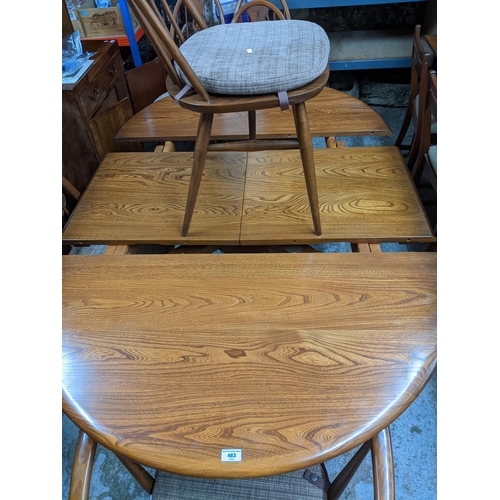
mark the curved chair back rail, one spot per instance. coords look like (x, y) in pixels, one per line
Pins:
(293, 359)
(256, 8)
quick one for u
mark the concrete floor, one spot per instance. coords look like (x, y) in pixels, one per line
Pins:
(414, 433)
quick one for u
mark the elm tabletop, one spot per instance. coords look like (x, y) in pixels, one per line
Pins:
(292, 359)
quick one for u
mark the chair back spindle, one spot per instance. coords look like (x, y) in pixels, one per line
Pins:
(165, 46)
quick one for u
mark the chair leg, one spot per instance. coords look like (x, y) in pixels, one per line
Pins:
(383, 466)
(417, 170)
(199, 158)
(82, 467)
(138, 472)
(405, 126)
(252, 125)
(414, 152)
(340, 483)
(306, 153)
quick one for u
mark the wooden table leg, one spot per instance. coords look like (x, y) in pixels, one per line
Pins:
(366, 247)
(116, 250)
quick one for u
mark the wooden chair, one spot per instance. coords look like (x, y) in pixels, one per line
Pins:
(426, 161)
(427, 152)
(245, 81)
(309, 484)
(421, 61)
(258, 10)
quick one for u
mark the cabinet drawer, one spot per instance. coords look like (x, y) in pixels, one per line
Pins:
(112, 70)
(100, 84)
(93, 95)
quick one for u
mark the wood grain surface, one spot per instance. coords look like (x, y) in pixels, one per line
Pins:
(331, 113)
(292, 358)
(365, 195)
(141, 198)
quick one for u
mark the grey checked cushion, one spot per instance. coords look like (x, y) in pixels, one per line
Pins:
(257, 58)
(284, 487)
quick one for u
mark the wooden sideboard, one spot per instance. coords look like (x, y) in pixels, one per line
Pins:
(93, 111)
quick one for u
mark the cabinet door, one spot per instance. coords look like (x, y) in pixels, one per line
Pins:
(106, 124)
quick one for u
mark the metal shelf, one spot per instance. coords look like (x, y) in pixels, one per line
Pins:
(350, 50)
(318, 4)
(377, 49)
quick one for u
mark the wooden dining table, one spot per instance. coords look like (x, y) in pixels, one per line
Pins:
(366, 195)
(288, 360)
(331, 113)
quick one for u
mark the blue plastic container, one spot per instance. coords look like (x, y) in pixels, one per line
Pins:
(228, 10)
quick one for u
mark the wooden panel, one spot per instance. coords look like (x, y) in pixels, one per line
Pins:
(146, 83)
(292, 358)
(107, 122)
(140, 198)
(330, 113)
(366, 195)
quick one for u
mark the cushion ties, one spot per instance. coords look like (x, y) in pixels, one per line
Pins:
(283, 97)
(182, 92)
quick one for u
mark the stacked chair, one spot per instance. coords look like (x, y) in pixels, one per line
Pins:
(420, 66)
(239, 70)
(426, 160)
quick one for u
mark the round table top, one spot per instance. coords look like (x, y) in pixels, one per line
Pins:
(244, 365)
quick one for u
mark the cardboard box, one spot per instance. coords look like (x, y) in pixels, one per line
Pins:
(75, 22)
(103, 22)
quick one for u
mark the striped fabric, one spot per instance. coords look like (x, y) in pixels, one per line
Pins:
(285, 486)
(257, 58)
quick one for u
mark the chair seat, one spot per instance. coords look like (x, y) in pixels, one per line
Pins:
(292, 485)
(262, 58)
